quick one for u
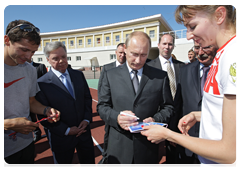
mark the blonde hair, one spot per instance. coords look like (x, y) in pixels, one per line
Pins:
(188, 11)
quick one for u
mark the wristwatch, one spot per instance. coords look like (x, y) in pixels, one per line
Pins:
(45, 111)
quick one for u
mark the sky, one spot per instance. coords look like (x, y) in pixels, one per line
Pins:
(51, 18)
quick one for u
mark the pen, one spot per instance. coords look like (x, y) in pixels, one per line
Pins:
(126, 114)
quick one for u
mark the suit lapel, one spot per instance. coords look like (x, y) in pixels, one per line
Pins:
(176, 68)
(196, 77)
(158, 63)
(55, 80)
(126, 78)
(144, 79)
(74, 79)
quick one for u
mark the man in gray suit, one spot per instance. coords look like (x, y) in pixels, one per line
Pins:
(121, 59)
(166, 46)
(131, 88)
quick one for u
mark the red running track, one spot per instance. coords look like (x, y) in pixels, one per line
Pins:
(43, 153)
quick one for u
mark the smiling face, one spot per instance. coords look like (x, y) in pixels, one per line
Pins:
(18, 52)
(202, 29)
(58, 59)
(206, 55)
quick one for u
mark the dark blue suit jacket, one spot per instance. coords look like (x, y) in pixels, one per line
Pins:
(73, 111)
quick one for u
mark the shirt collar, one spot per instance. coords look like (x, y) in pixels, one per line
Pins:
(58, 73)
(164, 60)
(130, 69)
(201, 65)
(117, 63)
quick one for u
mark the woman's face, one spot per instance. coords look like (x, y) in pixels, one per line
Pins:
(202, 29)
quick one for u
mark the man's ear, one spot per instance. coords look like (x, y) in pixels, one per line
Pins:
(220, 15)
(6, 40)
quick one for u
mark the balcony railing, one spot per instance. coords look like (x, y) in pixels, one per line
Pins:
(177, 34)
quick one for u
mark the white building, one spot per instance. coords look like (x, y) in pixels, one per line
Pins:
(95, 46)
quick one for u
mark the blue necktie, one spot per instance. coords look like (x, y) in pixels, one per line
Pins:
(67, 84)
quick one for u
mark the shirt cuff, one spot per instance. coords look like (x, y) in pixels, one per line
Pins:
(67, 131)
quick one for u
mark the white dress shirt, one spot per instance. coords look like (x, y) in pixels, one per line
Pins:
(139, 74)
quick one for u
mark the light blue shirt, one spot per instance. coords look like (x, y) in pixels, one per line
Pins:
(59, 75)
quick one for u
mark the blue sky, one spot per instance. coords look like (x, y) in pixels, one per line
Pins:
(51, 18)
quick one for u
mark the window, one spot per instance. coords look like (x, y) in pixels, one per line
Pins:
(71, 43)
(117, 38)
(107, 40)
(39, 59)
(98, 40)
(152, 33)
(127, 35)
(63, 42)
(112, 56)
(89, 41)
(69, 58)
(78, 58)
(80, 42)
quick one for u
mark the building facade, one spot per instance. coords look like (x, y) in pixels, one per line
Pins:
(95, 46)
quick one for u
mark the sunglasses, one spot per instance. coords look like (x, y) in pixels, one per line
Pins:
(26, 28)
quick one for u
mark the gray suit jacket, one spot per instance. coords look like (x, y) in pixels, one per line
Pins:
(153, 99)
(176, 63)
(104, 69)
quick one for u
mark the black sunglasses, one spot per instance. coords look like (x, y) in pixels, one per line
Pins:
(26, 28)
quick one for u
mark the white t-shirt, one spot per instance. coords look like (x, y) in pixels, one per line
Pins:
(221, 80)
(20, 83)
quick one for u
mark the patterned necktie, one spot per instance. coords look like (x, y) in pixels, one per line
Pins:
(67, 84)
(135, 80)
(204, 77)
(171, 77)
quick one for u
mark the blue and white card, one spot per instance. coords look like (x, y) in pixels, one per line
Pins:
(137, 128)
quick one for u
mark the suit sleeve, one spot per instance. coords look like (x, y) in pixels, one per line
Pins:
(101, 78)
(105, 106)
(59, 127)
(166, 104)
(88, 101)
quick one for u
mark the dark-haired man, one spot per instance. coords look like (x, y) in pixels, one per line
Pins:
(131, 88)
(20, 86)
(172, 67)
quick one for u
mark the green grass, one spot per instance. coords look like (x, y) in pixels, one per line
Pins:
(93, 83)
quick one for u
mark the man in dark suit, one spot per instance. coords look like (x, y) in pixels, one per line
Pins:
(189, 97)
(41, 70)
(67, 90)
(136, 94)
(166, 46)
(121, 59)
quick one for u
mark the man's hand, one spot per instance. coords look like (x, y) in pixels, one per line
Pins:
(82, 127)
(78, 130)
(20, 125)
(126, 121)
(55, 114)
(149, 119)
